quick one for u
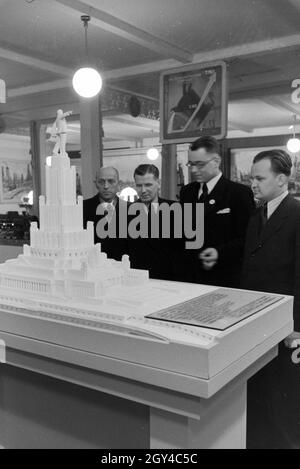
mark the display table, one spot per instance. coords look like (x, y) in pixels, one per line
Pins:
(70, 384)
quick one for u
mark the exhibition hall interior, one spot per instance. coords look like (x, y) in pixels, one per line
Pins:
(141, 342)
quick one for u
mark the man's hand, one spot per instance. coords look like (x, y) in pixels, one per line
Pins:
(209, 258)
(293, 340)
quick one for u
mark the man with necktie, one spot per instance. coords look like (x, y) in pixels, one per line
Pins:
(153, 253)
(227, 208)
(108, 204)
(272, 264)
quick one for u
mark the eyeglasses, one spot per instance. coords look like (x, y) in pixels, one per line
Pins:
(198, 164)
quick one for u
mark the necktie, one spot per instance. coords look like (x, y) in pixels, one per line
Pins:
(264, 215)
(204, 194)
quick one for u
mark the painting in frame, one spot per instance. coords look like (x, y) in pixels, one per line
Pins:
(193, 102)
(16, 180)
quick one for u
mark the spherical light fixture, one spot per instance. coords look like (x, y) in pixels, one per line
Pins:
(129, 194)
(87, 81)
(293, 145)
(152, 154)
(49, 161)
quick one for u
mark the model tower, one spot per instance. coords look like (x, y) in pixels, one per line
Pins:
(62, 260)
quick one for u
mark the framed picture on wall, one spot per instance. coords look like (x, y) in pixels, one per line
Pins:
(241, 161)
(16, 180)
(193, 102)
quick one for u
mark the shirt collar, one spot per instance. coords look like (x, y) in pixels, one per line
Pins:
(111, 204)
(154, 205)
(274, 204)
(212, 183)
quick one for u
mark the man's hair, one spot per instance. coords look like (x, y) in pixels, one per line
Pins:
(143, 169)
(210, 144)
(281, 161)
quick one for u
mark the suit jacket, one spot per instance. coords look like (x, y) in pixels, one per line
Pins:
(272, 264)
(157, 255)
(272, 254)
(113, 247)
(226, 214)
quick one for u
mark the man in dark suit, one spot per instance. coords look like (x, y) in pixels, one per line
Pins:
(108, 206)
(227, 208)
(155, 254)
(272, 264)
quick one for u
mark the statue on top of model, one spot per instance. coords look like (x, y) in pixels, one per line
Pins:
(59, 129)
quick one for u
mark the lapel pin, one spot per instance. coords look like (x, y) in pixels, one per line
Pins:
(212, 202)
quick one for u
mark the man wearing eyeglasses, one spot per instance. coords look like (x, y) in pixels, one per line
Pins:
(227, 208)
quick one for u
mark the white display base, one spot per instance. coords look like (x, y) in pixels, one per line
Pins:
(222, 424)
(219, 423)
(33, 411)
(188, 399)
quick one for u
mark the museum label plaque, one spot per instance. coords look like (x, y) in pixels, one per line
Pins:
(219, 309)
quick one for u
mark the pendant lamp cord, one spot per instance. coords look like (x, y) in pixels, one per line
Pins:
(294, 126)
(85, 19)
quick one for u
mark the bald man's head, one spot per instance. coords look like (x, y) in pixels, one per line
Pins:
(107, 183)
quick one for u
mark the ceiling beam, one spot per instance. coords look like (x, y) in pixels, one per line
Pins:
(39, 88)
(245, 50)
(133, 121)
(36, 63)
(259, 92)
(63, 98)
(138, 95)
(273, 77)
(61, 84)
(250, 49)
(115, 25)
(281, 105)
(232, 125)
(249, 92)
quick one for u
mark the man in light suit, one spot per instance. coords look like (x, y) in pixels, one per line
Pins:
(107, 183)
(227, 208)
(272, 264)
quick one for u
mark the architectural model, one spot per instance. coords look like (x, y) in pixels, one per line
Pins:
(62, 260)
(63, 290)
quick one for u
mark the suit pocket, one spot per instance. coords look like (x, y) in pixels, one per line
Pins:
(225, 211)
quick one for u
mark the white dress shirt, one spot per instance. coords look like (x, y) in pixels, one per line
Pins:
(154, 205)
(274, 204)
(210, 184)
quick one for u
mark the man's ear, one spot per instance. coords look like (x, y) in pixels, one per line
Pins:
(283, 180)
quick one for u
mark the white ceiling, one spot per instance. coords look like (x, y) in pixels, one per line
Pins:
(42, 42)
